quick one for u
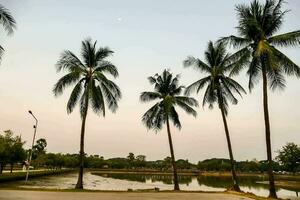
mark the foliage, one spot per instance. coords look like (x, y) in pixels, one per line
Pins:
(89, 78)
(8, 22)
(39, 148)
(131, 157)
(11, 149)
(167, 93)
(259, 45)
(220, 88)
(289, 157)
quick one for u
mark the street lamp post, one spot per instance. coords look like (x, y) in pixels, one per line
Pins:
(30, 155)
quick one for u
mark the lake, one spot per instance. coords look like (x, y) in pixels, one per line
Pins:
(123, 182)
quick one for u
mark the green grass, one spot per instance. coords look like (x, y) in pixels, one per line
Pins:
(5, 177)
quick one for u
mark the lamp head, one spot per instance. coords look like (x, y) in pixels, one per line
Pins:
(30, 112)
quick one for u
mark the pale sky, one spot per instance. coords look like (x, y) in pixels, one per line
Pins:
(147, 37)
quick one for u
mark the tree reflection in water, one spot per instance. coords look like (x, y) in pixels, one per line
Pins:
(166, 179)
(250, 182)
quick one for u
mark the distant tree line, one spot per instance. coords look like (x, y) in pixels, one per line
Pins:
(131, 162)
(12, 153)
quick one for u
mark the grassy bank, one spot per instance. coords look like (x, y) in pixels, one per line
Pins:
(5, 177)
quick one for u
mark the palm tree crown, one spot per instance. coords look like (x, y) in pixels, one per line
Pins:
(8, 22)
(257, 25)
(167, 91)
(217, 64)
(89, 78)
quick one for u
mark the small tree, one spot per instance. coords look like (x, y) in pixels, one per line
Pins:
(11, 150)
(39, 148)
(289, 157)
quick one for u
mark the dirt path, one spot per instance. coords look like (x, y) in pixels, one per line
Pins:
(46, 195)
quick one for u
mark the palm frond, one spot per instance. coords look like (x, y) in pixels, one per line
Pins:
(152, 79)
(237, 61)
(187, 100)
(1, 52)
(102, 53)
(186, 107)
(232, 84)
(235, 41)
(276, 79)
(88, 52)
(210, 97)
(84, 100)
(154, 117)
(287, 65)
(227, 93)
(7, 20)
(110, 97)
(109, 84)
(149, 96)
(74, 97)
(197, 86)
(65, 81)
(97, 99)
(254, 72)
(175, 117)
(69, 61)
(108, 67)
(286, 39)
(197, 63)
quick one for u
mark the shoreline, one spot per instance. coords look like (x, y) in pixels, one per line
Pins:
(140, 194)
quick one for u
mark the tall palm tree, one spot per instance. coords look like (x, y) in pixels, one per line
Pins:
(8, 23)
(92, 87)
(220, 88)
(257, 41)
(167, 94)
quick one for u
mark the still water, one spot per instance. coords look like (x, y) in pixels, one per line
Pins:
(104, 181)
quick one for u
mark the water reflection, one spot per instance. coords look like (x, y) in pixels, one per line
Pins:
(205, 183)
(113, 181)
(166, 179)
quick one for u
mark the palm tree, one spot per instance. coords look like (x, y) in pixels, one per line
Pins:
(92, 87)
(258, 43)
(8, 23)
(167, 93)
(220, 88)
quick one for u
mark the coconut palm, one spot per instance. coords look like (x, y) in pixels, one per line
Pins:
(258, 24)
(92, 87)
(8, 23)
(167, 94)
(219, 88)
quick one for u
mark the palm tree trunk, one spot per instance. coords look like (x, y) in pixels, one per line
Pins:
(176, 185)
(234, 177)
(268, 133)
(79, 184)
